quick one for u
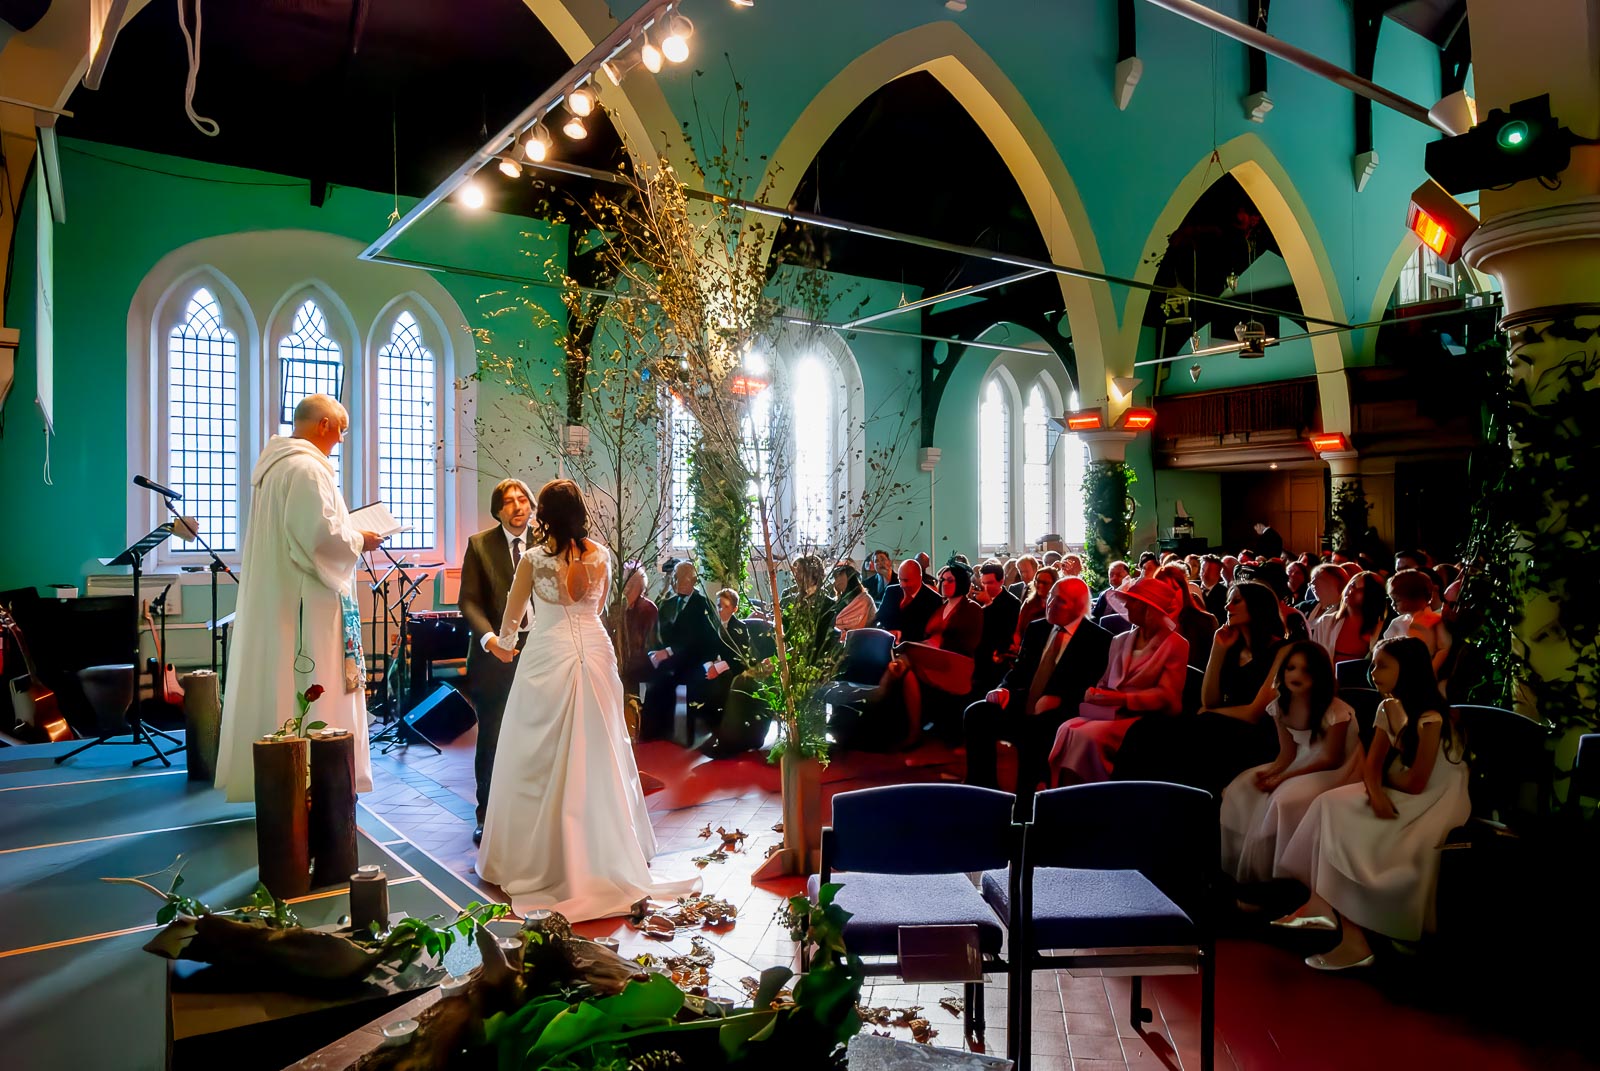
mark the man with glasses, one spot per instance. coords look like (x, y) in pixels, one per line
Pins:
(1000, 610)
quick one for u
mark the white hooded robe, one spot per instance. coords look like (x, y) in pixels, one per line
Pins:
(300, 553)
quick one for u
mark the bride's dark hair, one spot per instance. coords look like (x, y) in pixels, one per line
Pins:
(562, 515)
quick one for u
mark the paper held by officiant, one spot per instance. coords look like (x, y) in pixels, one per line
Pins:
(376, 518)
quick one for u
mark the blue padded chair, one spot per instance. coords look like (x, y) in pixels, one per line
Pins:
(1364, 701)
(1507, 753)
(1115, 624)
(1353, 673)
(907, 851)
(867, 652)
(1116, 875)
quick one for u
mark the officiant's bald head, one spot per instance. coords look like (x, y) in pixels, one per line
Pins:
(321, 421)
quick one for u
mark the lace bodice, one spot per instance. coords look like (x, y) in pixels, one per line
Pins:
(569, 584)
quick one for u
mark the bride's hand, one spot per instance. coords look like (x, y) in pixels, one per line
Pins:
(500, 652)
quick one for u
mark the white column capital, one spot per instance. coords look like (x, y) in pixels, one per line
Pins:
(1107, 444)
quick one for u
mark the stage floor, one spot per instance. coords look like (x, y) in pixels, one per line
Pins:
(70, 950)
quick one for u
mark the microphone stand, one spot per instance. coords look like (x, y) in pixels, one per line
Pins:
(217, 566)
(400, 733)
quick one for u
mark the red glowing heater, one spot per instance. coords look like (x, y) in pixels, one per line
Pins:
(1088, 420)
(1137, 420)
(1440, 221)
(1330, 444)
(747, 385)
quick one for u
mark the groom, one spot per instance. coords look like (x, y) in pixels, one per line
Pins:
(486, 573)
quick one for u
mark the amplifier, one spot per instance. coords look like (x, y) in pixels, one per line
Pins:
(442, 716)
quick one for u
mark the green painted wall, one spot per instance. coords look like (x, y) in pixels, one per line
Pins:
(1201, 494)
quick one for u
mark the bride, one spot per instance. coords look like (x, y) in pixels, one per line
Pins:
(566, 827)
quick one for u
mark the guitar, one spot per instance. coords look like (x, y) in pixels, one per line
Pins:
(165, 677)
(44, 723)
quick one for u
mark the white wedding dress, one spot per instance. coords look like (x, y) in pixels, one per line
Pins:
(566, 827)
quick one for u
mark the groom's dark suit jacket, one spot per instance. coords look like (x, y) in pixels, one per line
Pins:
(486, 573)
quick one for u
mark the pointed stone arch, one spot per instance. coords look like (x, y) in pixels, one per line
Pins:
(1286, 214)
(978, 84)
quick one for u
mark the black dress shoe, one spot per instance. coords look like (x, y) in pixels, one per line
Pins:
(477, 835)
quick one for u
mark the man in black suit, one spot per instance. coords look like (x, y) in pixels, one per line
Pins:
(1062, 656)
(908, 606)
(689, 639)
(1269, 544)
(1000, 610)
(486, 571)
(878, 575)
(1116, 573)
(1215, 588)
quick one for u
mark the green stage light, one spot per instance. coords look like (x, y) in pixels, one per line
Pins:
(1514, 135)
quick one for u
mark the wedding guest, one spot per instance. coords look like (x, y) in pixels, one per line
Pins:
(1213, 587)
(1062, 655)
(1269, 544)
(930, 677)
(1411, 593)
(1327, 588)
(856, 607)
(878, 580)
(1231, 733)
(1144, 676)
(808, 607)
(1116, 576)
(687, 631)
(1351, 631)
(1298, 577)
(639, 617)
(1027, 566)
(1000, 610)
(1013, 577)
(1229, 564)
(1194, 621)
(908, 605)
(1149, 562)
(1033, 604)
(1319, 747)
(1370, 852)
(1070, 565)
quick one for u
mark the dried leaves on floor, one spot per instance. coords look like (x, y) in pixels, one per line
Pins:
(909, 1017)
(752, 986)
(717, 856)
(690, 972)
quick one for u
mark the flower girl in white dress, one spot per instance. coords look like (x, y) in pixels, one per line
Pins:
(1319, 747)
(566, 827)
(1371, 851)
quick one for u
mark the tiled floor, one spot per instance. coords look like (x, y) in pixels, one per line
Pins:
(1272, 1010)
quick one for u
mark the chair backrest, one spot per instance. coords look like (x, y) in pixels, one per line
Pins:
(1353, 673)
(1586, 768)
(762, 643)
(1169, 833)
(1115, 624)
(1364, 701)
(922, 829)
(867, 652)
(1507, 752)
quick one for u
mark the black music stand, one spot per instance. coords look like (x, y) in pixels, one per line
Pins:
(398, 732)
(140, 734)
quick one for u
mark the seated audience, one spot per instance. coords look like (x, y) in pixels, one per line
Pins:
(1033, 604)
(1319, 747)
(1052, 557)
(741, 723)
(1149, 562)
(1195, 622)
(1273, 575)
(1013, 577)
(907, 606)
(1213, 587)
(1062, 655)
(1144, 674)
(1070, 565)
(1229, 565)
(689, 638)
(1000, 610)
(1327, 588)
(1231, 732)
(1298, 578)
(1411, 593)
(807, 605)
(1369, 852)
(855, 607)
(639, 618)
(1027, 566)
(1116, 576)
(930, 678)
(1351, 631)
(877, 581)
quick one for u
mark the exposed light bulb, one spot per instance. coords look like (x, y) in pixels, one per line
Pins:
(472, 195)
(538, 145)
(509, 167)
(650, 56)
(675, 46)
(613, 72)
(575, 129)
(581, 101)
(743, 3)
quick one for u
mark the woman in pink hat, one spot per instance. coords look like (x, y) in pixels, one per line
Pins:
(1144, 675)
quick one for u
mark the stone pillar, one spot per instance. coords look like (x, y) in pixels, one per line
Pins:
(1345, 468)
(1547, 259)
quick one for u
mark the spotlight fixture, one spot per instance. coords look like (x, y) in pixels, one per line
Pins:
(649, 54)
(1443, 223)
(675, 46)
(618, 66)
(537, 147)
(472, 195)
(581, 101)
(509, 167)
(574, 129)
(1522, 142)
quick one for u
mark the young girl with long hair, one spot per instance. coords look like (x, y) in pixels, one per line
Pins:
(1319, 748)
(1369, 852)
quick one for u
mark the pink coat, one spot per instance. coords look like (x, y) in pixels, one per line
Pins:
(1152, 683)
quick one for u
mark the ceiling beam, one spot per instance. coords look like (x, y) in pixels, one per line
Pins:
(1367, 17)
(338, 82)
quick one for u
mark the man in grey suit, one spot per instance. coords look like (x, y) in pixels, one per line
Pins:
(486, 573)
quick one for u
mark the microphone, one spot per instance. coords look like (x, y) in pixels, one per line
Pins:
(149, 484)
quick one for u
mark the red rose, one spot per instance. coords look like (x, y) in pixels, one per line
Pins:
(313, 693)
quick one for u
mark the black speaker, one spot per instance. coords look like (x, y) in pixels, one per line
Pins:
(442, 716)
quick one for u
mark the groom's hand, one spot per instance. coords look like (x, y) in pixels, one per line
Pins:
(502, 653)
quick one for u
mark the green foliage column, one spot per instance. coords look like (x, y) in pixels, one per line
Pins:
(1110, 509)
(1548, 499)
(720, 520)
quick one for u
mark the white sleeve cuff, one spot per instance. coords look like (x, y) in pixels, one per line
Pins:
(483, 641)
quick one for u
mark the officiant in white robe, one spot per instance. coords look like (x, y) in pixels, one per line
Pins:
(296, 622)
